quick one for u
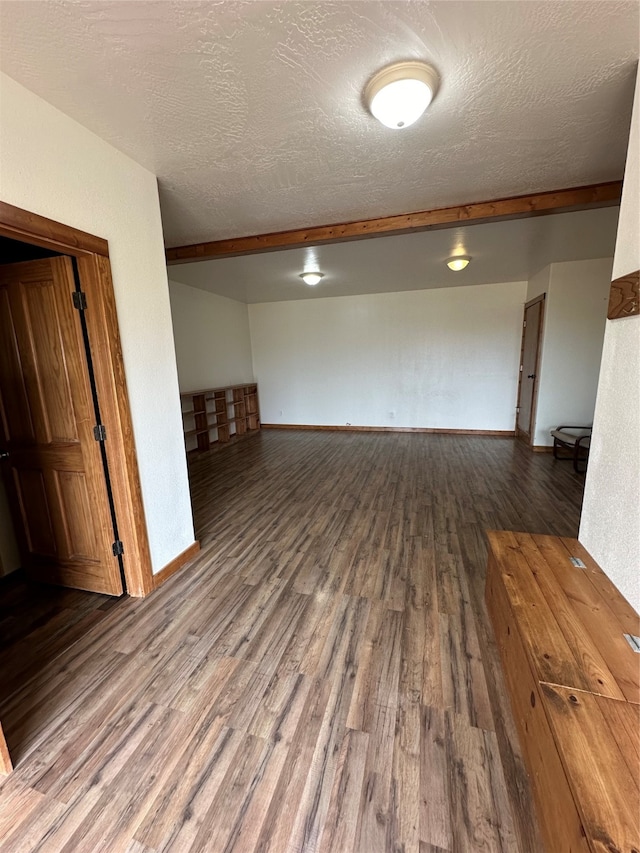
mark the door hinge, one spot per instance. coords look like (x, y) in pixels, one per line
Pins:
(79, 300)
(517, 408)
(524, 325)
(100, 432)
(117, 548)
(521, 366)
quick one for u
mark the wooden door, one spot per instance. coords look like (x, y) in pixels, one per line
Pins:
(52, 462)
(529, 366)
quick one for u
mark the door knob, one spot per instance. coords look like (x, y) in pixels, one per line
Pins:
(4, 454)
(531, 376)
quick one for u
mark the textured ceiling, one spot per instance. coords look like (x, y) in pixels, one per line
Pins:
(251, 113)
(501, 251)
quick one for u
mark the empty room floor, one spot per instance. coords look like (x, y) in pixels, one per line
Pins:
(321, 678)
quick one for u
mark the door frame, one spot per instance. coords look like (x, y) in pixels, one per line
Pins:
(94, 269)
(529, 439)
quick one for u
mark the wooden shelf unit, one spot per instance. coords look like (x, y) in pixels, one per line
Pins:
(215, 415)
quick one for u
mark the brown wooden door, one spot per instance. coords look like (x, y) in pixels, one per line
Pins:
(529, 365)
(52, 462)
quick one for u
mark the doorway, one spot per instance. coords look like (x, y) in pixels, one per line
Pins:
(52, 439)
(529, 368)
(71, 263)
(87, 264)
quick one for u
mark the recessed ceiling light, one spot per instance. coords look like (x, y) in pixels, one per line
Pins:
(458, 263)
(311, 278)
(399, 94)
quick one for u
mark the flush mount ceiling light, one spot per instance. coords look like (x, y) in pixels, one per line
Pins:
(311, 278)
(399, 94)
(458, 263)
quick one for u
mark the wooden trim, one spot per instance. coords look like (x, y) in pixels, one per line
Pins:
(624, 296)
(576, 198)
(176, 564)
(6, 765)
(104, 336)
(528, 437)
(536, 387)
(542, 448)
(499, 433)
(40, 231)
(518, 430)
(106, 350)
(531, 302)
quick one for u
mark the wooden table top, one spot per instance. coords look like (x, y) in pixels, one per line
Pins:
(572, 620)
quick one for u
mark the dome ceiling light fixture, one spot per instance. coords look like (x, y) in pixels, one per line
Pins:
(458, 262)
(398, 94)
(311, 278)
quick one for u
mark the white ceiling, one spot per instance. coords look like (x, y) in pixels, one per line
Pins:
(501, 252)
(251, 113)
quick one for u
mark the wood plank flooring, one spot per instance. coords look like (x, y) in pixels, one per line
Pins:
(321, 678)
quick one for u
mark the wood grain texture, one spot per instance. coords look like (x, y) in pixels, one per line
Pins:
(6, 765)
(594, 756)
(573, 688)
(530, 351)
(322, 678)
(602, 614)
(104, 337)
(566, 624)
(546, 647)
(55, 475)
(624, 296)
(576, 198)
(176, 564)
(32, 228)
(95, 274)
(559, 819)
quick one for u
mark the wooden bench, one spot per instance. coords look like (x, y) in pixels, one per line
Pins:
(574, 685)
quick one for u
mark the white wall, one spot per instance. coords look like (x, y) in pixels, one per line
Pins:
(445, 358)
(53, 166)
(539, 283)
(211, 334)
(610, 525)
(573, 333)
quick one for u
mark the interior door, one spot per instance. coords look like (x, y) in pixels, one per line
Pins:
(51, 460)
(533, 316)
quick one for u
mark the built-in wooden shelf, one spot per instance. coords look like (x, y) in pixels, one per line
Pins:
(235, 412)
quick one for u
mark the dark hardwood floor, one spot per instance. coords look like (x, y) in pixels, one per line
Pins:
(321, 678)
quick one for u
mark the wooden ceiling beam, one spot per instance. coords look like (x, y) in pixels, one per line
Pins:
(557, 201)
